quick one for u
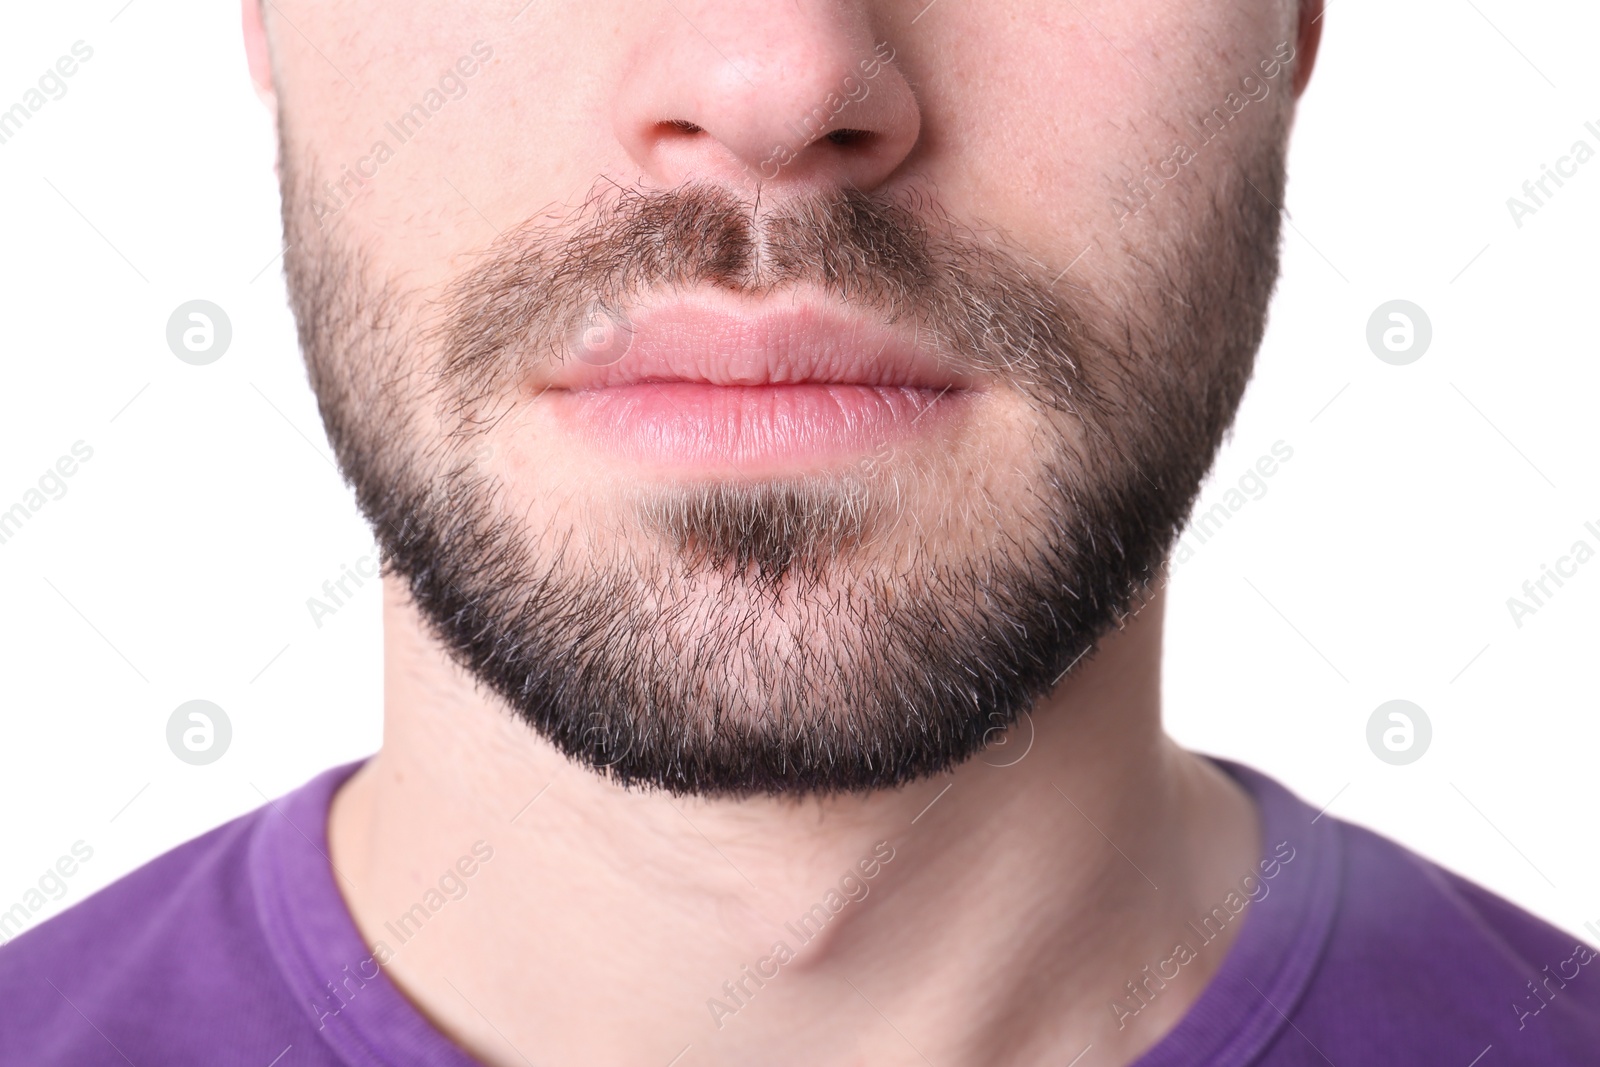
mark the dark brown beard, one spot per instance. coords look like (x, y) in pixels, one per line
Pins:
(756, 648)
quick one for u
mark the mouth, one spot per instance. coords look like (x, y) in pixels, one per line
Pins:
(733, 388)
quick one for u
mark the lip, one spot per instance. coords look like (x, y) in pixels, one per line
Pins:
(697, 385)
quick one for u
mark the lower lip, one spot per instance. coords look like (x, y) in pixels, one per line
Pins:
(700, 425)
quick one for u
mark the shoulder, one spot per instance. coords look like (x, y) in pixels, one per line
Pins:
(167, 965)
(1419, 958)
(1369, 953)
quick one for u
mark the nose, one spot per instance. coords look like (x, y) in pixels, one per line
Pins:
(795, 94)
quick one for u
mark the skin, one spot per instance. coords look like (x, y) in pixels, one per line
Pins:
(1007, 921)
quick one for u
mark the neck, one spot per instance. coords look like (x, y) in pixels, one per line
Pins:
(996, 913)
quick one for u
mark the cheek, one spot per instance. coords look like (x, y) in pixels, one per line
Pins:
(415, 161)
(1040, 120)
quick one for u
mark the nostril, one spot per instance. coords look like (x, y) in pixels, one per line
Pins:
(848, 137)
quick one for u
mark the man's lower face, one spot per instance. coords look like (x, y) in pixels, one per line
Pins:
(809, 497)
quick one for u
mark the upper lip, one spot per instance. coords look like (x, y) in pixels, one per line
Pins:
(760, 345)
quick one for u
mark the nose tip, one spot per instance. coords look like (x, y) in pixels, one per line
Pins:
(790, 101)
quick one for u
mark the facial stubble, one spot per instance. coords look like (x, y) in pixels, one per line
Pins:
(789, 635)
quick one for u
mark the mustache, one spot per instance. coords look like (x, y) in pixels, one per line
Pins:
(970, 298)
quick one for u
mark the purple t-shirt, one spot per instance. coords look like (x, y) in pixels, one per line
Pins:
(236, 948)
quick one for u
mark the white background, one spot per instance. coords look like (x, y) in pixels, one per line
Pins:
(1377, 566)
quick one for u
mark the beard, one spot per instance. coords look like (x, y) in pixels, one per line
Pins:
(843, 631)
